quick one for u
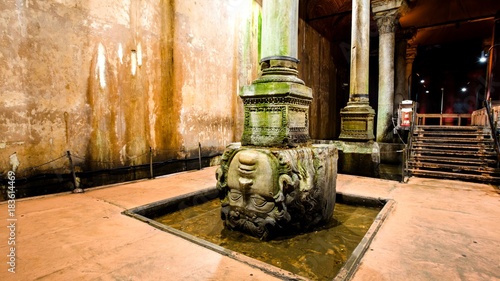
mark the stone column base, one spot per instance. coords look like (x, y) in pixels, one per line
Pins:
(359, 158)
(357, 122)
(267, 192)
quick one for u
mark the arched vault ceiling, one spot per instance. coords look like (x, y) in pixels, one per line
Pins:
(436, 21)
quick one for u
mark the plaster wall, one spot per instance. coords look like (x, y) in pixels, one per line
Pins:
(107, 80)
(318, 70)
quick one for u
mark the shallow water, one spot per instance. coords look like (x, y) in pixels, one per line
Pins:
(318, 254)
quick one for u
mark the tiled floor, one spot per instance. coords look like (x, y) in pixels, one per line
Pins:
(438, 230)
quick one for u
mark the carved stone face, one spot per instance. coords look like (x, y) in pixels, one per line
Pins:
(252, 182)
(266, 192)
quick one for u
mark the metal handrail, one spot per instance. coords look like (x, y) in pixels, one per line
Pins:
(493, 128)
(407, 149)
(459, 116)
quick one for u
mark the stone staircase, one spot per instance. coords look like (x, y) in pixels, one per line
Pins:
(457, 152)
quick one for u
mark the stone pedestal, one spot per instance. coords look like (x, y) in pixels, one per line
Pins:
(357, 122)
(270, 191)
(276, 114)
(359, 158)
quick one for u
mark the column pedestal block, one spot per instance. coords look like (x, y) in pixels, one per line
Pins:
(357, 122)
(276, 114)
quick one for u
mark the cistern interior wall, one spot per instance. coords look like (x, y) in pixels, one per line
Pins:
(107, 80)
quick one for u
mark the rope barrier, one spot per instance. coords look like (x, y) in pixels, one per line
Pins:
(46, 163)
(150, 152)
(120, 168)
(140, 155)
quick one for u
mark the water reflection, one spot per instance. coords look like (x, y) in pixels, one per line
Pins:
(318, 254)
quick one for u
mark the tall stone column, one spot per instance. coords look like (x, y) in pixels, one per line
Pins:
(360, 154)
(386, 14)
(357, 116)
(401, 84)
(400, 92)
(411, 53)
(262, 180)
(493, 75)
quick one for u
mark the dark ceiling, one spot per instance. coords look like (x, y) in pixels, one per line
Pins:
(436, 21)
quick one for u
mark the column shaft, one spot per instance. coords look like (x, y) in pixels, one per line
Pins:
(493, 86)
(386, 25)
(400, 92)
(360, 51)
(280, 29)
(357, 116)
(411, 53)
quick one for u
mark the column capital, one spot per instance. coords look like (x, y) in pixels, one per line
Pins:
(386, 21)
(386, 13)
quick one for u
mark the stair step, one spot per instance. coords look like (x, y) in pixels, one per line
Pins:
(457, 152)
(459, 146)
(440, 174)
(418, 150)
(452, 140)
(452, 128)
(472, 161)
(454, 168)
(451, 133)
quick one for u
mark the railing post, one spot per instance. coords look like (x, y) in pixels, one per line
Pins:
(403, 165)
(493, 129)
(151, 174)
(77, 188)
(199, 154)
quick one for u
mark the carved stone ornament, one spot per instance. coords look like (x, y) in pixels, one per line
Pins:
(266, 192)
(276, 114)
(386, 21)
(357, 122)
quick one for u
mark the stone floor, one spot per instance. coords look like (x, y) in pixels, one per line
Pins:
(438, 230)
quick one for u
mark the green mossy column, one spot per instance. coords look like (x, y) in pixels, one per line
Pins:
(275, 181)
(279, 28)
(277, 103)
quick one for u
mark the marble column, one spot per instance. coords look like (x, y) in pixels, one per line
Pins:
(386, 14)
(400, 92)
(401, 77)
(279, 29)
(493, 72)
(357, 116)
(277, 103)
(411, 53)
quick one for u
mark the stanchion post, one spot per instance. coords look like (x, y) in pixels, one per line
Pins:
(77, 188)
(199, 154)
(151, 163)
(403, 165)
